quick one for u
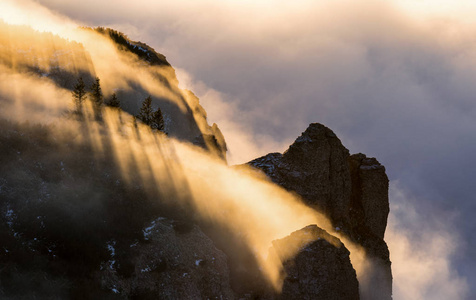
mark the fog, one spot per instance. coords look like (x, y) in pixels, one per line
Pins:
(393, 79)
(236, 200)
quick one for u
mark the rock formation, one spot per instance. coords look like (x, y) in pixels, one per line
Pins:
(351, 190)
(315, 167)
(369, 193)
(320, 270)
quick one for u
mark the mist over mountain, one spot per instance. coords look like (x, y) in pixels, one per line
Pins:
(393, 80)
(113, 185)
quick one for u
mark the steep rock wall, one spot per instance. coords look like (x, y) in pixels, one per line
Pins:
(351, 190)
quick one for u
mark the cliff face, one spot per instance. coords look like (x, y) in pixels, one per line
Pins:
(315, 167)
(369, 195)
(351, 189)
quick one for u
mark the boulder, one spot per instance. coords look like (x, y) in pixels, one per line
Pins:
(320, 269)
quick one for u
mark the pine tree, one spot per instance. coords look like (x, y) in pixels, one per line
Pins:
(145, 114)
(96, 98)
(96, 93)
(114, 102)
(158, 120)
(79, 94)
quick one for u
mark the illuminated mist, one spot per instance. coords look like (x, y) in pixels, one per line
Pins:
(394, 79)
(369, 70)
(246, 204)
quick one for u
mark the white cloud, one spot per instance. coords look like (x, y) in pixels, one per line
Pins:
(421, 252)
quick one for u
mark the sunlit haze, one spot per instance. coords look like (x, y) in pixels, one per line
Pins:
(393, 79)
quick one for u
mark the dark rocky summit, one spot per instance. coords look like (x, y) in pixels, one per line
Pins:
(315, 167)
(351, 189)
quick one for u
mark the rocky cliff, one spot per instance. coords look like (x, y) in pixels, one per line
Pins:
(351, 189)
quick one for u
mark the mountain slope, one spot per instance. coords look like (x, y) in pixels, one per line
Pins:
(132, 73)
(95, 204)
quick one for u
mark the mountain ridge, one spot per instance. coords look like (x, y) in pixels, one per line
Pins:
(106, 208)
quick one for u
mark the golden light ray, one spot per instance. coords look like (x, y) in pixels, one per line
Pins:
(256, 209)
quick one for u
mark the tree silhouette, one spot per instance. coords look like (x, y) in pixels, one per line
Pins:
(113, 101)
(79, 94)
(157, 120)
(97, 97)
(145, 114)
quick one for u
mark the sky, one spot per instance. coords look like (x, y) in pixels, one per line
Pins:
(393, 79)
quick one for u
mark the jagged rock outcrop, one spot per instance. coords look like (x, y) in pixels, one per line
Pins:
(176, 261)
(369, 213)
(351, 190)
(315, 166)
(321, 269)
(369, 192)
